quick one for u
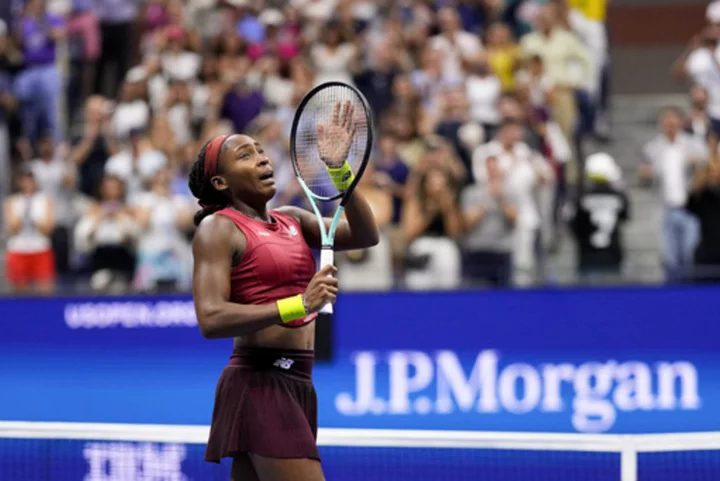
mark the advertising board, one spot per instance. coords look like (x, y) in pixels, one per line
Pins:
(597, 361)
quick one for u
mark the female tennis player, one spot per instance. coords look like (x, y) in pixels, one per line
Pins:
(255, 280)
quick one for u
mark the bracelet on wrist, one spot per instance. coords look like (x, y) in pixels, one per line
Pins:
(292, 308)
(341, 176)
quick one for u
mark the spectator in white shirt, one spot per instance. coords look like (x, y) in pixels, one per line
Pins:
(455, 44)
(179, 63)
(592, 33)
(278, 86)
(567, 63)
(315, 10)
(700, 62)
(132, 112)
(163, 251)
(179, 111)
(524, 171)
(712, 13)
(535, 85)
(429, 79)
(483, 92)
(333, 56)
(56, 177)
(29, 221)
(670, 158)
(136, 164)
(106, 235)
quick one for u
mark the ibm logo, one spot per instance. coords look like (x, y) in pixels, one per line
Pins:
(134, 462)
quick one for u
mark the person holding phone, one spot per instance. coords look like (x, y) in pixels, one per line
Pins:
(106, 235)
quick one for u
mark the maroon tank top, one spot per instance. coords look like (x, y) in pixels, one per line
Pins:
(277, 262)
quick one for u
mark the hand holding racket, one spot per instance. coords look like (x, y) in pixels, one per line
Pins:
(330, 146)
(322, 289)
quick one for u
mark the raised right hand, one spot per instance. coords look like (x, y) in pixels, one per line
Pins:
(323, 288)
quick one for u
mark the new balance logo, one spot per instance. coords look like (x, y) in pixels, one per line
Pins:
(283, 363)
(292, 231)
(264, 233)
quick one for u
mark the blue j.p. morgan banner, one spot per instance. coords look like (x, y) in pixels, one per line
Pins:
(619, 361)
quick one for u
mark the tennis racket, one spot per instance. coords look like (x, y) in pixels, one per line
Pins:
(332, 125)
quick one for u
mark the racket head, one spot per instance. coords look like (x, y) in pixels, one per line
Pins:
(317, 107)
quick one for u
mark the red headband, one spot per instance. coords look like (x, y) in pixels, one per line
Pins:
(212, 155)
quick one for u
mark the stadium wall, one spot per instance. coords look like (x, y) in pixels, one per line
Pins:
(646, 36)
(631, 360)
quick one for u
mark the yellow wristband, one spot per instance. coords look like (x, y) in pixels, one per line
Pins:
(291, 308)
(341, 176)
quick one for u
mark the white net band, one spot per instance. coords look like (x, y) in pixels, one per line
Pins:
(101, 448)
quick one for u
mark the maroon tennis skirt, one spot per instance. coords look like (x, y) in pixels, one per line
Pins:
(265, 404)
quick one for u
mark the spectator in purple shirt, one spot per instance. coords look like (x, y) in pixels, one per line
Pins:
(38, 86)
(241, 105)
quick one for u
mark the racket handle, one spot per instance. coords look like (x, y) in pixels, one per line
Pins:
(327, 256)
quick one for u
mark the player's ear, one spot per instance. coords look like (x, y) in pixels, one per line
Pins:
(219, 183)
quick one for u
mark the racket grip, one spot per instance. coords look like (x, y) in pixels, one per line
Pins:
(327, 256)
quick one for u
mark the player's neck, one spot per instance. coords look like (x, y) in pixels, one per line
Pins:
(258, 212)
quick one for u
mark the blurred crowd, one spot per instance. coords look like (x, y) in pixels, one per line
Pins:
(683, 162)
(481, 111)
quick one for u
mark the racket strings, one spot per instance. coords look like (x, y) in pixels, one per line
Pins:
(324, 124)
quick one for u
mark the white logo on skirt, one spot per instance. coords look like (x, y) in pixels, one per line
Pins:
(283, 363)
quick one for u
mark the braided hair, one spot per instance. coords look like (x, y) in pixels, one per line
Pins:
(211, 199)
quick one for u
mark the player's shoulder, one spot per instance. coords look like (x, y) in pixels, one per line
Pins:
(216, 222)
(295, 213)
(218, 237)
(215, 231)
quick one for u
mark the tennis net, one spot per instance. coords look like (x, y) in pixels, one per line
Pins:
(38, 451)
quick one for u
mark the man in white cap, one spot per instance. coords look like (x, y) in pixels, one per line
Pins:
(600, 211)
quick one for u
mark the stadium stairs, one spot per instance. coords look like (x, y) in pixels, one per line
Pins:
(633, 121)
